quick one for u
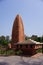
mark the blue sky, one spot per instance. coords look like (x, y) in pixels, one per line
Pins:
(31, 12)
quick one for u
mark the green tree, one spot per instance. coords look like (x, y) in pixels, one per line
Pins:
(3, 41)
(42, 38)
(39, 39)
(34, 37)
(2, 37)
(7, 38)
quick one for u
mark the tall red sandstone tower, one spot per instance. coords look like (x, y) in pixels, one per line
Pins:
(18, 30)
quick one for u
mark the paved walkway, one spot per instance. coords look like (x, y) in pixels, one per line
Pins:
(20, 60)
(37, 55)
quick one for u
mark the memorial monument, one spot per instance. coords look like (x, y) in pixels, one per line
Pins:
(18, 30)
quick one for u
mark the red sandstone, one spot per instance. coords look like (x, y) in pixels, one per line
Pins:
(18, 30)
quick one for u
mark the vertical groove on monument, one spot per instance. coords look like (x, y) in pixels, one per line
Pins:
(18, 30)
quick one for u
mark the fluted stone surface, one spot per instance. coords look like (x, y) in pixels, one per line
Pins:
(18, 30)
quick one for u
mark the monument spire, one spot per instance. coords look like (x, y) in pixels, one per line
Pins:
(18, 30)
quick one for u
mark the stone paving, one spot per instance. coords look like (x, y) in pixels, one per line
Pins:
(20, 60)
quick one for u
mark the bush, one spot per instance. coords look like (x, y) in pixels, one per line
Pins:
(7, 52)
(10, 52)
(39, 51)
(18, 52)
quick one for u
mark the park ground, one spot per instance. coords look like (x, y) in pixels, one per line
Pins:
(36, 59)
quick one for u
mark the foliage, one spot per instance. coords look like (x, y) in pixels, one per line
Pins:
(18, 52)
(39, 50)
(4, 40)
(10, 52)
(27, 37)
(7, 52)
(36, 38)
(7, 38)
